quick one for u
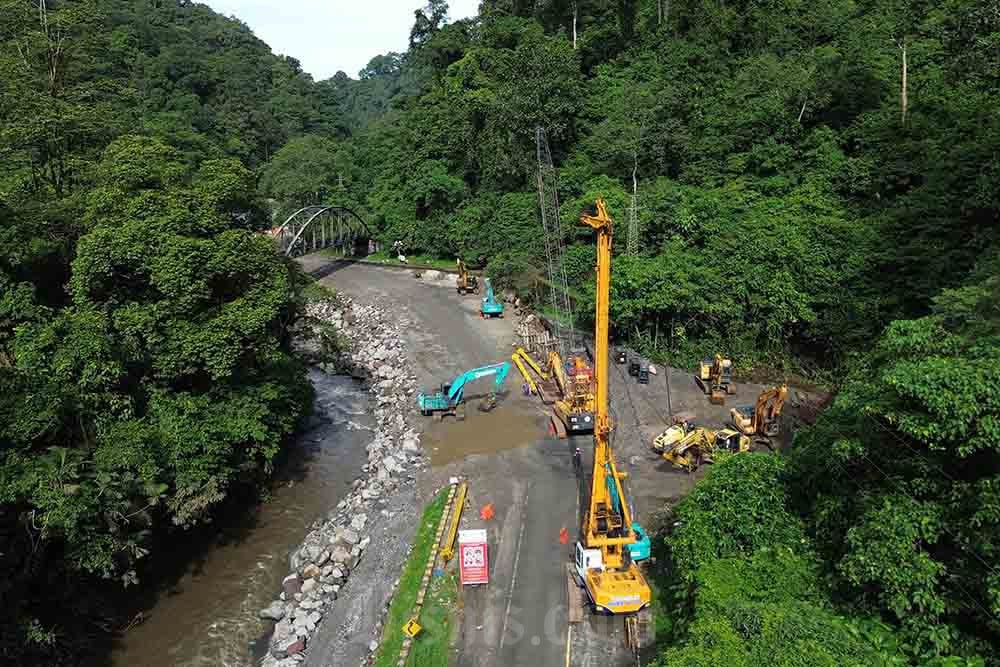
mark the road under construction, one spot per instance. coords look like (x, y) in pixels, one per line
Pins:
(558, 533)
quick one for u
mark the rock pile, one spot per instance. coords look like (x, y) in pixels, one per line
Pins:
(335, 546)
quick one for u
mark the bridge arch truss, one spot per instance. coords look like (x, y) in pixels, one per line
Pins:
(321, 226)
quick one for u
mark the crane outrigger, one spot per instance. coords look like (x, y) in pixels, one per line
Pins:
(604, 564)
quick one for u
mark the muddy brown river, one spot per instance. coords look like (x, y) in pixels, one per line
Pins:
(202, 608)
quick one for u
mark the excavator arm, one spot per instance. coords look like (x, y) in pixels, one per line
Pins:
(458, 384)
(769, 406)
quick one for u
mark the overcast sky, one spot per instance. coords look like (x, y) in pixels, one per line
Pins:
(330, 35)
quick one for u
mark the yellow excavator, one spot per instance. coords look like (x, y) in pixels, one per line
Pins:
(762, 419)
(688, 446)
(603, 561)
(466, 281)
(716, 378)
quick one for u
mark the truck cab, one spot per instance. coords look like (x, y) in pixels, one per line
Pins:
(587, 559)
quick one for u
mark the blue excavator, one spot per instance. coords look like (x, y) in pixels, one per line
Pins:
(450, 399)
(491, 307)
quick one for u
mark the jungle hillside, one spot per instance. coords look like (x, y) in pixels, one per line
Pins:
(817, 194)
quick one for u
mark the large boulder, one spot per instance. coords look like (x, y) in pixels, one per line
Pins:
(291, 584)
(273, 612)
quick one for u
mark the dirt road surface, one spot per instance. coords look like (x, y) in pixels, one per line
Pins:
(511, 463)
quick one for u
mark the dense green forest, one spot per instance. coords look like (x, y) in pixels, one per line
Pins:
(818, 187)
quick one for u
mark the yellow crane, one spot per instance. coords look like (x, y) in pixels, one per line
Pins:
(603, 562)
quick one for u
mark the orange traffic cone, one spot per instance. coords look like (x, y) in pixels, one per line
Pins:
(563, 536)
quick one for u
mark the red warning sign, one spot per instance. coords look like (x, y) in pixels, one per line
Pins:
(473, 557)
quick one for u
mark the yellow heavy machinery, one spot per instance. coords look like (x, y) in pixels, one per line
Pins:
(571, 394)
(688, 446)
(762, 419)
(603, 562)
(525, 364)
(466, 282)
(576, 407)
(715, 376)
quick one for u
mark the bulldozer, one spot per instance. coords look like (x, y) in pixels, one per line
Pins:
(761, 420)
(466, 283)
(715, 377)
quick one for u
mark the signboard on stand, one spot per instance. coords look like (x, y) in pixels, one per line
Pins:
(473, 557)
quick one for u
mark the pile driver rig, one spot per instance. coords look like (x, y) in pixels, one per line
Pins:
(603, 561)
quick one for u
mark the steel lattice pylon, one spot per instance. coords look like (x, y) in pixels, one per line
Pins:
(632, 235)
(548, 204)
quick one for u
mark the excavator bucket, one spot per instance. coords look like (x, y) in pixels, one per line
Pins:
(718, 396)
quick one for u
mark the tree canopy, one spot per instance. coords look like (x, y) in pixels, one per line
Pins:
(817, 191)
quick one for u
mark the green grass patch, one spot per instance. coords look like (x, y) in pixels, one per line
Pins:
(412, 261)
(409, 584)
(431, 646)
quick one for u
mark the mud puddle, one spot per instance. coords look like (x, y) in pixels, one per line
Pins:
(505, 427)
(201, 601)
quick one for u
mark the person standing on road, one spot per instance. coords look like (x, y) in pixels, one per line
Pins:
(577, 461)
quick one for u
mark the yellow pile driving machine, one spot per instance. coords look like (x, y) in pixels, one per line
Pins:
(603, 562)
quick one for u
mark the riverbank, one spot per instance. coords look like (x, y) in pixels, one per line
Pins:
(335, 547)
(199, 600)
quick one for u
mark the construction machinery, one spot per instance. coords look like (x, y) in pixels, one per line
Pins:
(490, 307)
(571, 393)
(603, 561)
(466, 281)
(761, 420)
(576, 407)
(525, 364)
(688, 446)
(715, 376)
(450, 399)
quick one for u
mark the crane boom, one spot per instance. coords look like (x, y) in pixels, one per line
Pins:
(603, 561)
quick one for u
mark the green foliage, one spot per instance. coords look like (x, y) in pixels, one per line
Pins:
(898, 478)
(746, 583)
(401, 607)
(304, 171)
(739, 508)
(175, 322)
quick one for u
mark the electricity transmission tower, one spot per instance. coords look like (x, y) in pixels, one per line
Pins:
(548, 204)
(632, 234)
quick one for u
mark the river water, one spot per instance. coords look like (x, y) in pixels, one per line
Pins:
(210, 584)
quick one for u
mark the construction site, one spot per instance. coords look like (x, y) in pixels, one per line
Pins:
(568, 447)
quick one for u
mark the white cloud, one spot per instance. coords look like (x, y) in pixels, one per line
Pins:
(327, 36)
